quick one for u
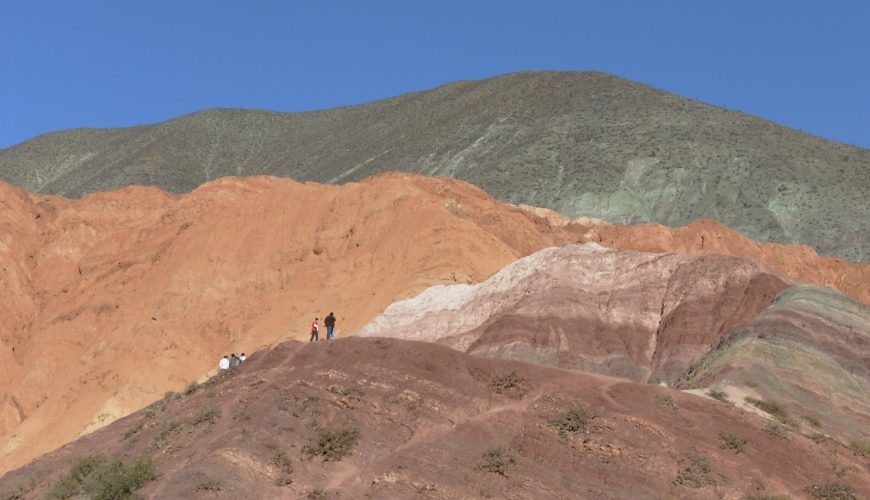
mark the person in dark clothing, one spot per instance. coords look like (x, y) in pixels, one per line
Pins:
(314, 329)
(329, 321)
(234, 361)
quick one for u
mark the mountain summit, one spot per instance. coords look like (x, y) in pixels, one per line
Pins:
(584, 143)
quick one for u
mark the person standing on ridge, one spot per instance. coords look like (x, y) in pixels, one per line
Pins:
(314, 330)
(234, 361)
(242, 358)
(225, 363)
(329, 321)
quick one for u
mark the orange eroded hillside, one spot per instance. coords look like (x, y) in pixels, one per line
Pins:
(111, 300)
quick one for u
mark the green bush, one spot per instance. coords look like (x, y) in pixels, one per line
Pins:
(333, 445)
(719, 395)
(507, 381)
(777, 410)
(860, 446)
(667, 401)
(20, 492)
(208, 414)
(100, 479)
(572, 421)
(207, 483)
(134, 429)
(193, 387)
(697, 472)
(776, 429)
(831, 491)
(731, 441)
(282, 462)
(169, 428)
(812, 420)
(316, 494)
(497, 459)
(818, 437)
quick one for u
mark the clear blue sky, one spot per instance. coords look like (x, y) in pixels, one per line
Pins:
(804, 64)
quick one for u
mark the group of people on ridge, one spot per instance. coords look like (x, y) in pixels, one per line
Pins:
(328, 322)
(231, 361)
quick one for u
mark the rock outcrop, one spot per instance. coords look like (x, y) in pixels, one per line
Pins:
(647, 317)
(808, 354)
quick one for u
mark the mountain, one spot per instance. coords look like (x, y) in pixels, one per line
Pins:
(585, 144)
(643, 316)
(695, 322)
(389, 418)
(111, 300)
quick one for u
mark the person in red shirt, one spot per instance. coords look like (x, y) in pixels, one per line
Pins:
(314, 330)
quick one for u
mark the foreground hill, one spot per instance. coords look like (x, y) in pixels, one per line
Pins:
(689, 321)
(581, 143)
(386, 418)
(114, 299)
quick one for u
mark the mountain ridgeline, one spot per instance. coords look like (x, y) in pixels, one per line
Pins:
(583, 143)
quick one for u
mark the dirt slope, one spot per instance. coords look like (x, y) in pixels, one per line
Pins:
(644, 316)
(120, 296)
(583, 143)
(425, 416)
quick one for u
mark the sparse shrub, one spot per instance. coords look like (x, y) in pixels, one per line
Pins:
(116, 481)
(348, 392)
(667, 401)
(282, 462)
(697, 472)
(317, 494)
(21, 491)
(731, 441)
(169, 395)
(506, 381)
(840, 470)
(193, 387)
(776, 429)
(100, 479)
(812, 420)
(208, 414)
(134, 429)
(573, 421)
(777, 410)
(831, 491)
(860, 446)
(207, 483)
(333, 445)
(719, 395)
(818, 437)
(765, 496)
(168, 429)
(497, 459)
(750, 383)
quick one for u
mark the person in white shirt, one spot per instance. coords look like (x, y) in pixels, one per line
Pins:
(242, 357)
(225, 363)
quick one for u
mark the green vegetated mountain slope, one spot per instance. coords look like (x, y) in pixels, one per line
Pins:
(581, 143)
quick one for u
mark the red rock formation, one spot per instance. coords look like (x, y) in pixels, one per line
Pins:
(111, 300)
